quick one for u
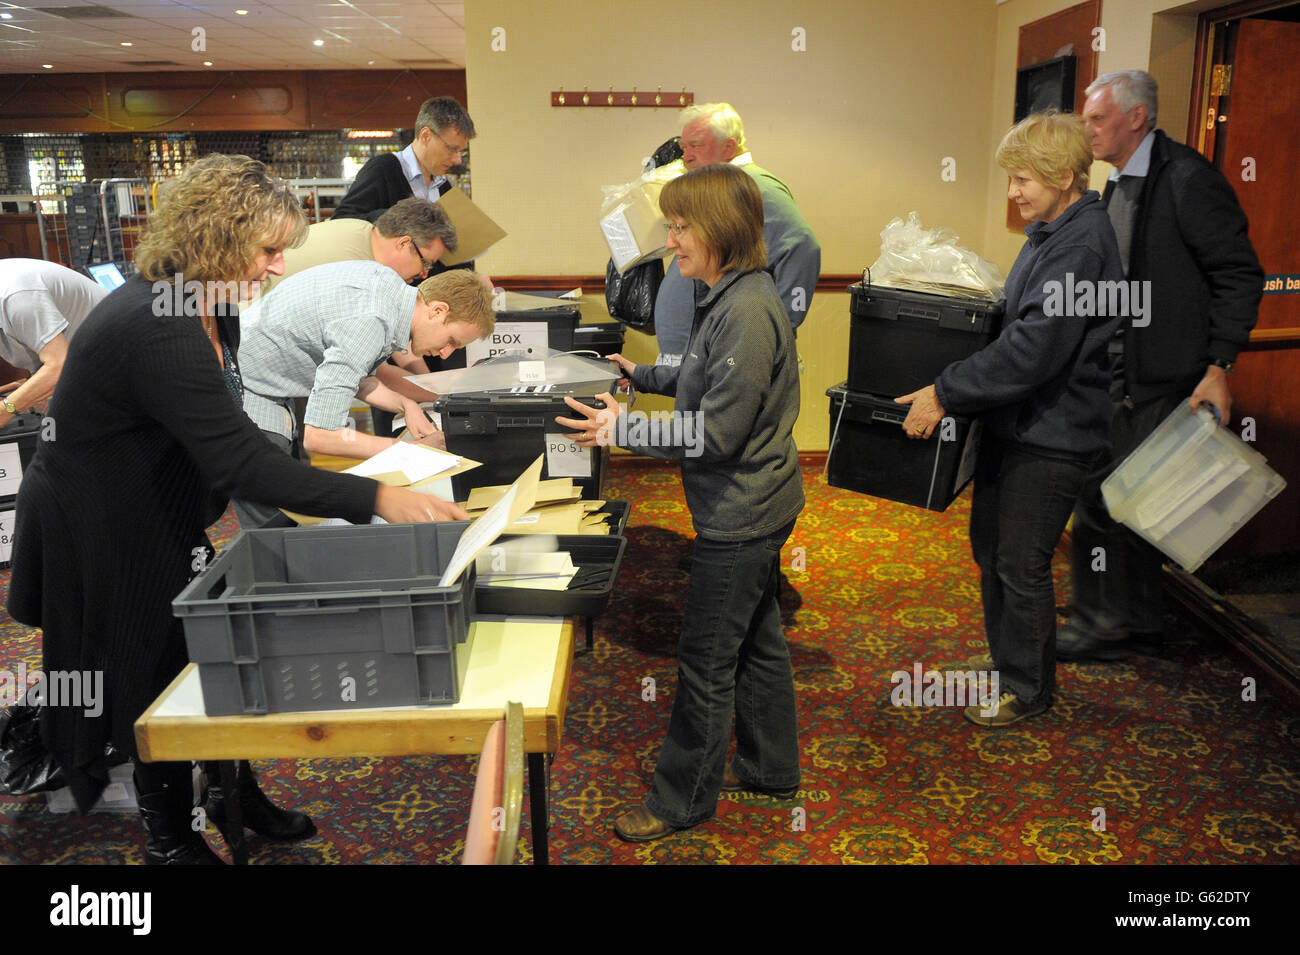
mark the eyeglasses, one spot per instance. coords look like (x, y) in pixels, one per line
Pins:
(425, 264)
(677, 228)
(454, 150)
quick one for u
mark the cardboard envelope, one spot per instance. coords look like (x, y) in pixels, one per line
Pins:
(475, 232)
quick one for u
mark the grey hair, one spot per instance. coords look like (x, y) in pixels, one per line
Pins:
(443, 111)
(422, 220)
(722, 119)
(1129, 88)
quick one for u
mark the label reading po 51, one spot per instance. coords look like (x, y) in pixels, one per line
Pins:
(566, 459)
(11, 468)
(6, 534)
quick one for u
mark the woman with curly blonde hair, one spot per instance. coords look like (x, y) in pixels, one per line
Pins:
(151, 443)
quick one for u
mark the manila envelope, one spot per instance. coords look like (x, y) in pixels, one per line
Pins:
(475, 232)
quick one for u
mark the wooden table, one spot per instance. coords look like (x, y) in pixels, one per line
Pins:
(525, 659)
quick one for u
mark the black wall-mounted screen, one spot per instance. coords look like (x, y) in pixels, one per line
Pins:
(1044, 86)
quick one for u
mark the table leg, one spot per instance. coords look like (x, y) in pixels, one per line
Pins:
(591, 634)
(537, 787)
(234, 812)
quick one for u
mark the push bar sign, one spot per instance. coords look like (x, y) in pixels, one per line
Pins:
(510, 338)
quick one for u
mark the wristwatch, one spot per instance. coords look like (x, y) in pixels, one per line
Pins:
(1223, 363)
(9, 406)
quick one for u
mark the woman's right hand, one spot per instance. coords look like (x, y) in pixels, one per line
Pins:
(627, 366)
(398, 505)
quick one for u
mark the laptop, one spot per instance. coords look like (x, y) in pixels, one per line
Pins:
(107, 275)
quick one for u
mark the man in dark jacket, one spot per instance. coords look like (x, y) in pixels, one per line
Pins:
(1180, 229)
(442, 133)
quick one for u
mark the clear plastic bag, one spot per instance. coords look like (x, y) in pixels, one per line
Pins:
(630, 220)
(930, 260)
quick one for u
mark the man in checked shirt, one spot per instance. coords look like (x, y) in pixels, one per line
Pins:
(323, 333)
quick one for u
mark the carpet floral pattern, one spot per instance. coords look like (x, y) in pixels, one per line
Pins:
(1152, 760)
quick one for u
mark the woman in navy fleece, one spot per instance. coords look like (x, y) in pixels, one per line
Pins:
(1041, 390)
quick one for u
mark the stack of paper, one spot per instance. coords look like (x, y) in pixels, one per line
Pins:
(551, 571)
(559, 510)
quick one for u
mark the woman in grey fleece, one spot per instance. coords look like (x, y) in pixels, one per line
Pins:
(737, 394)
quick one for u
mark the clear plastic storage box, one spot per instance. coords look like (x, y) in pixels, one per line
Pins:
(1190, 486)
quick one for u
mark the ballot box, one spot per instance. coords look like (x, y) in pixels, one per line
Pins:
(870, 453)
(507, 430)
(899, 340)
(19, 440)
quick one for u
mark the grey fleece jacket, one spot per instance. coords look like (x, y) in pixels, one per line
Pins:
(738, 385)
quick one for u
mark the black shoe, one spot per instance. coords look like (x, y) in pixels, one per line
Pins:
(166, 800)
(1075, 647)
(731, 783)
(259, 813)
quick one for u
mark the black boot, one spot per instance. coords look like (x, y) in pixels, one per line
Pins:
(165, 795)
(259, 813)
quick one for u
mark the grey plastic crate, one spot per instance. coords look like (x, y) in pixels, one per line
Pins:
(330, 618)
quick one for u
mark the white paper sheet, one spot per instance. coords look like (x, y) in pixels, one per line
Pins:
(416, 461)
(478, 535)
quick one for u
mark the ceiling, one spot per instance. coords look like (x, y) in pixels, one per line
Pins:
(76, 36)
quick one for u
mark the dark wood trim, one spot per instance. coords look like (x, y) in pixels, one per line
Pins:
(1217, 616)
(1273, 336)
(562, 283)
(1243, 636)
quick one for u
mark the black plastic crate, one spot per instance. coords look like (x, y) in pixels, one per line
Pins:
(330, 618)
(506, 431)
(560, 324)
(597, 558)
(604, 338)
(870, 453)
(899, 341)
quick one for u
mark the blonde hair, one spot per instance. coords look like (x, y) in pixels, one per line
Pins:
(1054, 146)
(212, 221)
(467, 296)
(722, 205)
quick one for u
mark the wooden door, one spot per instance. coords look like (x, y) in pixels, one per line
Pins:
(1256, 144)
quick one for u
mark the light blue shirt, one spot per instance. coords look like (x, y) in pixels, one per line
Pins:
(317, 334)
(415, 176)
(1140, 161)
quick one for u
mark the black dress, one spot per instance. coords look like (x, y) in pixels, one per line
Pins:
(147, 446)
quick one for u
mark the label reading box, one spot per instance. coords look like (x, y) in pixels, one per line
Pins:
(565, 459)
(6, 535)
(510, 338)
(11, 468)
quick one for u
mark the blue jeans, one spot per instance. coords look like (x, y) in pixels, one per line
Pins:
(1124, 598)
(1021, 504)
(732, 656)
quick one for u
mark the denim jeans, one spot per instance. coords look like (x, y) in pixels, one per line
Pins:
(732, 656)
(1022, 502)
(1122, 597)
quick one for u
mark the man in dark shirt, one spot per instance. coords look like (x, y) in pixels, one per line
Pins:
(442, 133)
(1182, 233)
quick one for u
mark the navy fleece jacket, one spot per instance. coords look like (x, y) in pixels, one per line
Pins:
(1043, 382)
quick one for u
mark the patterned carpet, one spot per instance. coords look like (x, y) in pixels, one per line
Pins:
(1164, 751)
